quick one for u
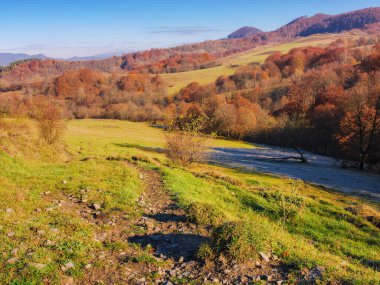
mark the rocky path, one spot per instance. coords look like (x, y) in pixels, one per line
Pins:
(166, 244)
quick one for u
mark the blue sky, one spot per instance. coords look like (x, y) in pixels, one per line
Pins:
(65, 28)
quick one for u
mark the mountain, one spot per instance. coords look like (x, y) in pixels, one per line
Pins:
(7, 58)
(295, 27)
(244, 32)
(95, 57)
(321, 24)
(343, 22)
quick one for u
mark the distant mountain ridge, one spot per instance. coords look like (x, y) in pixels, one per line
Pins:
(7, 58)
(319, 24)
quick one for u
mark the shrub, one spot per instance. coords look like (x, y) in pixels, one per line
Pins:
(184, 147)
(237, 241)
(204, 214)
(50, 124)
(185, 142)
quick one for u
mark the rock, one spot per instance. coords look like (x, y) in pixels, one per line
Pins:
(12, 260)
(181, 259)
(48, 192)
(67, 266)
(14, 251)
(38, 210)
(264, 256)
(279, 282)
(96, 206)
(64, 181)
(49, 209)
(168, 283)
(9, 211)
(258, 264)
(48, 242)
(88, 266)
(38, 266)
(141, 176)
(10, 234)
(274, 257)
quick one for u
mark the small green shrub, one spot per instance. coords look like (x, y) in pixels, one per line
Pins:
(239, 240)
(204, 214)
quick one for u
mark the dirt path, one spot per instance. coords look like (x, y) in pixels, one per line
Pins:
(167, 244)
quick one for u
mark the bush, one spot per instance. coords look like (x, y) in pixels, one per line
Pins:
(185, 142)
(50, 124)
(186, 147)
(237, 241)
(204, 214)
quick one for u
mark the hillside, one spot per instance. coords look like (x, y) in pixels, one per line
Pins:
(228, 65)
(320, 24)
(108, 208)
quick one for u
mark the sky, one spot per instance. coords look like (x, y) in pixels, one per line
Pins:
(66, 28)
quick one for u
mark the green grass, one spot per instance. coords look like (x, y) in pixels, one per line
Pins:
(310, 231)
(303, 224)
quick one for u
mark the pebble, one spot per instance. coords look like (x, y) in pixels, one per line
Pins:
(38, 265)
(64, 181)
(12, 260)
(88, 266)
(264, 256)
(9, 210)
(181, 259)
(67, 266)
(96, 206)
(10, 234)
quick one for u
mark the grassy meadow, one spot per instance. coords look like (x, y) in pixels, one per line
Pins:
(228, 65)
(42, 235)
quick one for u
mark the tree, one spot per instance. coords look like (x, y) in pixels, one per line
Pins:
(361, 122)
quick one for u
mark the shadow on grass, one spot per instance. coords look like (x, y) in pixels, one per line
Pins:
(145, 148)
(165, 218)
(173, 245)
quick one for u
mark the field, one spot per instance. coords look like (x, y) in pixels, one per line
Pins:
(68, 212)
(228, 65)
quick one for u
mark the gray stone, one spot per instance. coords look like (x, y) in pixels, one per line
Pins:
(12, 260)
(264, 256)
(38, 266)
(96, 206)
(68, 266)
